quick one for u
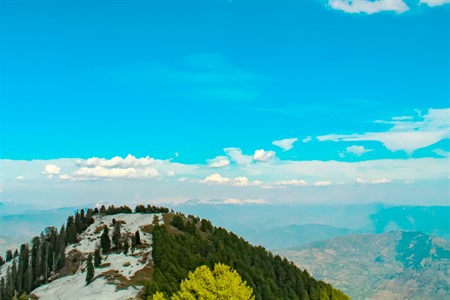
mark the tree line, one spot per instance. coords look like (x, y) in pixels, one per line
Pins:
(34, 264)
(189, 243)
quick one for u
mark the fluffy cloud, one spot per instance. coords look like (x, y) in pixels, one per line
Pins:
(102, 172)
(219, 162)
(434, 2)
(368, 6)
(117, 161)
(20, 178)
(262, 155)
(373, 181)
(237, 181)
(285, 144)
(357, 150)
(236, 155)
(51, 170)
(407, 135)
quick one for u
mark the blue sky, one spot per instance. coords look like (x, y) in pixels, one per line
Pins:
(183, 82)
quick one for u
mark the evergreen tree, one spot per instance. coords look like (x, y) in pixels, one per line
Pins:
(28, 280)
(105, 242)
(89, 217)
(116, 235)
(78, 223)
(2, 288)
(9, 285)
(137, 237)
(35, 257)
(155, 220)
(71, 231)
(60, 255)
(126, 246)
(9, 255)
(89, 270)
(14, 282)
(178, 222)
(97, 257)
(44, 261)
(2, 261)
(23, 266)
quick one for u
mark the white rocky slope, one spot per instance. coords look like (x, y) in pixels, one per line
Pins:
(116, 278)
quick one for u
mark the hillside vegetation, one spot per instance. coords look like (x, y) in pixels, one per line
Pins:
(115, 253)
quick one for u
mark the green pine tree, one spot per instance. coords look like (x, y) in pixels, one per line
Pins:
(105, 241)
(89, 270)
(97, 257)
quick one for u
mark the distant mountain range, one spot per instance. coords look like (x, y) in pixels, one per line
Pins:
(293, 235)
(272, 226)
(394, 265)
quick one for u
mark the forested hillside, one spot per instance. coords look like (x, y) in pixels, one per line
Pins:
(188, 242)
(115, 253)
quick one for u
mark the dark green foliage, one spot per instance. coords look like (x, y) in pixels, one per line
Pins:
(178, 222)
(97, 257)
(71, 231)
(271, 277)
(89, 270)
(2, 288)
(9, 255)
(105, 241)
(116, 235)
(206, 226)
(150, 209)
(137, 238)
(126, 246)
(112, 210)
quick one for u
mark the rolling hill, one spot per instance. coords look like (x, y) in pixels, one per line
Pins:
(141, 253)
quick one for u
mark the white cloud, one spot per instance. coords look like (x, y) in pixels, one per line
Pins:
(244, 201)
(235, 201)
(20, 178)
(51, 170)
(219, 162)
(216, 178)
(441, 152)
(357, 150)
(236, 155)
(285, 144)
(262, 155)
(368, 6)
(117, 161)
(129, 167)
(291, 182)
(407, 135)
(402, 118)
(102, 172)
(322, 183)
(307, 139)
(373, 181)
(432, 3)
